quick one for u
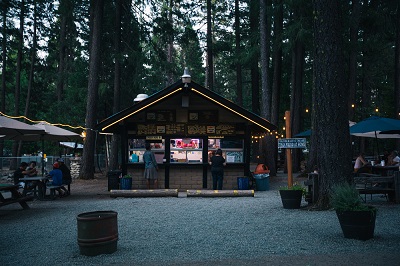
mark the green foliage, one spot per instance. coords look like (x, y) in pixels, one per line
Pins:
(295, 187)
(345, 197)
(127, 176)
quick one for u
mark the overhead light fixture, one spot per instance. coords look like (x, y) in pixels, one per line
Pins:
(186, 78)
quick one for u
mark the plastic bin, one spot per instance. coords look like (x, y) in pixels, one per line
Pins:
(243, 183)
(113, 179)
(126, 183)
(262, 182)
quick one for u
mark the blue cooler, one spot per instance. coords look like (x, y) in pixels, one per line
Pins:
(243, 183)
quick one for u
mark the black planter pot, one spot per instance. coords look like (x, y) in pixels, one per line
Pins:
(291, 199)
(357, 224)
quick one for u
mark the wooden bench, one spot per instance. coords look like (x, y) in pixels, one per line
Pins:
(53, 190)
(21, 200)
(372, 184)
(16, 197)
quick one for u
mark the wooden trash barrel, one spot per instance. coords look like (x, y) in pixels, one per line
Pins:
(97, 232)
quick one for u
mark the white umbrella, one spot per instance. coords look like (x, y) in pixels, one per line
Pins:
(10, 128)
(48, 132)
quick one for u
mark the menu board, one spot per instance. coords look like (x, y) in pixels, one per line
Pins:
(197, 129)
(179, 129)
(225, 130)
(146, 129)
(203, 116)
(161, 116)
(175, 129)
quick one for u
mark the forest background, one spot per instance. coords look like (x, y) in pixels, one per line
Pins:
(77, 62)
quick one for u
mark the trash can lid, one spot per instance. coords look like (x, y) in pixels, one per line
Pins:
(261, 169)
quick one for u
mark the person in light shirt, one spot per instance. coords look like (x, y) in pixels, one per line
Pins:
(360, 162)
(394, 158)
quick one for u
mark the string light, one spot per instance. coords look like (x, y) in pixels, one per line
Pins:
(42, 121)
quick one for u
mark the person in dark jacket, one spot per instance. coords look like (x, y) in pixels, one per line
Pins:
(217, 163)
(20, 172)
(66, 175)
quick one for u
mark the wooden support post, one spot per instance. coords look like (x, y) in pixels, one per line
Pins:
(289, 151)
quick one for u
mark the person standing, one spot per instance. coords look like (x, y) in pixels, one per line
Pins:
(217, 163)
(150, 167)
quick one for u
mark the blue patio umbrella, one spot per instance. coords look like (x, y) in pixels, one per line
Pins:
(372, 126)
(306, 133)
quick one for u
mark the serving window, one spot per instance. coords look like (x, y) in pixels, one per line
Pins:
(232, 149)
(136, 149)
(186, 150)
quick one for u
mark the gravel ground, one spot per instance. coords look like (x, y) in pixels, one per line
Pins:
(194, 231)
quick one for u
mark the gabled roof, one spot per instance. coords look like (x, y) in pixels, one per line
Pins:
(192, 88)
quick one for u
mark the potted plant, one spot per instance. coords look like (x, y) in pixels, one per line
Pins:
(356, 219)
(291, 196)
(126, 182)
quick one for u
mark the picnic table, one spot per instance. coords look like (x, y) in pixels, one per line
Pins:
(377, 184)
(386, 170)
(39, 188)
(15, 196)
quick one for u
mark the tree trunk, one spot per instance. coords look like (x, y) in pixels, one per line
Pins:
(16, 144)
(296, 108)
(210, 64)
(65, 8)
(113, 160)
(354, 29)
(87, 171)
(254, 72)
(33, 57)
(170, 72)
(277, 76)
(264, 55)
(331, 125)
(4, 8)
(239, 87)
(397, 71)
(269, 142)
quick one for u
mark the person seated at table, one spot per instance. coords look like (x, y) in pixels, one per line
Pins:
(393, 158)
(56, 178)
(20, 173)
(360, 163)
(32, 171)
(66, 175)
